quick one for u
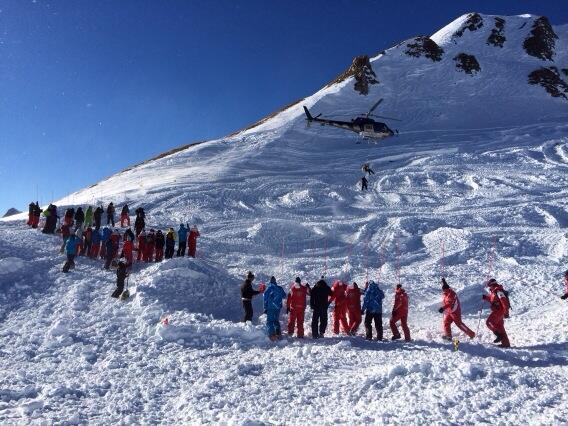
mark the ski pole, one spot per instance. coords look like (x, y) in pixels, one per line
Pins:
(367, 261)
(490, 261)
(325, 264)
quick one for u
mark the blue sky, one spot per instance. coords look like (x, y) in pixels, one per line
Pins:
(88, 88)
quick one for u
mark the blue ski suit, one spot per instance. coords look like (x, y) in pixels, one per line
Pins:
(273, 296)
(373, 299)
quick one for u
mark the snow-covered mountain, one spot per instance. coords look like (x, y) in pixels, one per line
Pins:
(473, 186)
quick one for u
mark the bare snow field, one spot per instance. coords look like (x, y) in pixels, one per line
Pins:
(474, 186)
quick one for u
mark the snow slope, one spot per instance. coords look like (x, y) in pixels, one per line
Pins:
(474, 186)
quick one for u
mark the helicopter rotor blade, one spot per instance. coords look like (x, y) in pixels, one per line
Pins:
(374, 106)
(388, 118)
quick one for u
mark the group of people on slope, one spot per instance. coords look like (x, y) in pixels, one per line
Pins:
(348, 310)
(83, 235)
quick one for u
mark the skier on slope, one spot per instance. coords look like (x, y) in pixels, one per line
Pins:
(400, 313)
(367, 169)
(499, 311)
(71, 251)
(247, 293)
(170, 243)
(565, 295)
(338, 290)
(319, 303)
(160, 243)
(121, 274)
(373, 310)
(353, 305)
(182, 239)
(124, 216)
(192, 241)
(364, 182)
(273, 296)
(296, 306)
(451, 308)
(110, 214)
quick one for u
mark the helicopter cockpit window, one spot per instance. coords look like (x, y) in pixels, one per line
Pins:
(368, 127)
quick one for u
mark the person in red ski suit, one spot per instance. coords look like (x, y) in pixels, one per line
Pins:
(149, 246)
(115, 237)
(340, 310)
(400, 313)
(451, 309)
(296, 306)
(128, 247)
(353, 302)
(192, 241)
(141, 245)
(499, 311)
(565, 295)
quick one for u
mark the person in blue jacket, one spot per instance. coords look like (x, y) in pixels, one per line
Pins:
(373, 310)
(182, 238)
(71, 250)
(95, 243)
(104, 238)
(273, 296)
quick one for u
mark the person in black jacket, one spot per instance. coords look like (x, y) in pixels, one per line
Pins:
(139, 224)
(98, 214)
(79, 217)
(319, 302)
(121, 274)
(160, 243)
(247, 293)
(110, 214)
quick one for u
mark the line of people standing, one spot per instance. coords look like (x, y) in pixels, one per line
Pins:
(348, 311)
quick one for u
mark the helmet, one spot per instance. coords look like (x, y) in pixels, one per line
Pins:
(492, 282)
(298, 280)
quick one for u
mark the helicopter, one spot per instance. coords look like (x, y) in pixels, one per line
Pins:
(363, 124)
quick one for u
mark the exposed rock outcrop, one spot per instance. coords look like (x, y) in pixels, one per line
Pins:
(550, 79)
(497, 37)
(542, 41)
(467, 63)
(362, 70)
(424, 46)
(473, 22)
(11, 212)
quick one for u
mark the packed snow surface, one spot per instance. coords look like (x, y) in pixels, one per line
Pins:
(475, 186)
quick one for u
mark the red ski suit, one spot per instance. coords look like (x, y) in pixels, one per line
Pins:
(115, 237)
(452, 313)
(400, 313)
(499, 310)
(340, 310)
(124, 217)
(353, 299)
(149, 247)
(141, 246)
(192, 241)
(296, 304)
(127, 248)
